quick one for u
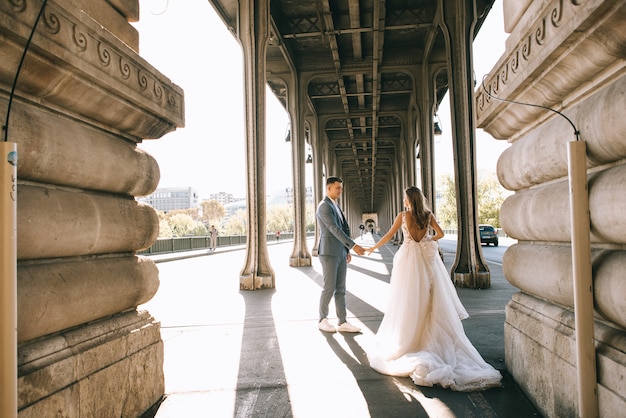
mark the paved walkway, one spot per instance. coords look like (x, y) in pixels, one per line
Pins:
(232, 353)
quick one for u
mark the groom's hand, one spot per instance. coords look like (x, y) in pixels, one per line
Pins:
(358, 249)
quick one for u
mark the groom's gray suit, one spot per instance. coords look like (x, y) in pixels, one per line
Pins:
(335, 243)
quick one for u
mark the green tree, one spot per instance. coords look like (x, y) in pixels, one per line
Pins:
(192, 212)
(310, 218)
(165, 230)
(212, 212)
(490, 197)
(279, 218)
(236, 224)
(182, 224)
(446, 202)
(199, 230)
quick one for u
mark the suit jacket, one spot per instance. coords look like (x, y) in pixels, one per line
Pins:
(334, 230)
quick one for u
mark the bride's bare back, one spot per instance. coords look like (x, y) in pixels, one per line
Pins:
(414, 230)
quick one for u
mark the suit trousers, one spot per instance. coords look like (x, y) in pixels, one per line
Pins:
(334, 270)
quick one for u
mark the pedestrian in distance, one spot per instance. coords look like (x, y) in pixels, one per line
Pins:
(421, 334)
(213, 232)
(334, 254)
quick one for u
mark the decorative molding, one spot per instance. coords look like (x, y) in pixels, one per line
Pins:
(86, 46)
(565, 48)
(518, 60)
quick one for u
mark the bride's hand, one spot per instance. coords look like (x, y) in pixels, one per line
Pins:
(368, 251)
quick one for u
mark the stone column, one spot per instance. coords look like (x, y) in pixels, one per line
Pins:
(397, 197)
(407, 150)
(317, 149)
(84, 100)
(469, 268)
(254, 34)
(426, 131)
(569, 56)
(296, 104)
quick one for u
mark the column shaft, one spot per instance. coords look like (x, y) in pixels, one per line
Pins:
(469, 269)
(426, 152)
(254, 35)
(300, 255)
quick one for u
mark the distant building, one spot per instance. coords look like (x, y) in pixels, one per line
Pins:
(224, 198)
(173, 198)
(308, 197)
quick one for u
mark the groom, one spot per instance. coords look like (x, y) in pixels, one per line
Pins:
(334, 254)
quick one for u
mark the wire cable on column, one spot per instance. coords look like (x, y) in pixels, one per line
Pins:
(576, 131)
(19, 68)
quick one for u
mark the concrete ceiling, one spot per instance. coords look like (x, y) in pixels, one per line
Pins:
(362, 60)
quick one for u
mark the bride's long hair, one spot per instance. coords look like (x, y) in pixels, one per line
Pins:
(417, 206)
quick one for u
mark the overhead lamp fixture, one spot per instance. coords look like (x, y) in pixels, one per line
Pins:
(437, 126)
(288, 132)
(309, 159)
(438, 130)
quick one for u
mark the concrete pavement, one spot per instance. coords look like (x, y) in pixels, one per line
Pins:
(232, 353)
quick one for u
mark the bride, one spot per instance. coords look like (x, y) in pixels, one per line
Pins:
(421, 334)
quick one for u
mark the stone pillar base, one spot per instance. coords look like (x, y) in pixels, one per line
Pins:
(540, 347)
(476, 280)
(255, 282)
(108, 368)
(301, 261)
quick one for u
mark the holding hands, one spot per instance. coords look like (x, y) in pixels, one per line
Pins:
(358, 249)
(363, 251)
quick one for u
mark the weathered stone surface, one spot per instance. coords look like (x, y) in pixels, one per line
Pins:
(84, 100)
(609, 287)
(113, 15)
(607, 198)
(83, 223)
(542, 213)
(111, 367)
(76, 65)
(58, 295)
(541, 155)
(513, 11)
(63, 151)
(540, 353)
(556, 48)
(567, 55)
(127, 8)
(546, 271)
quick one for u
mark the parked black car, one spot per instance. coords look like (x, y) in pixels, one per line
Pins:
(488, 235)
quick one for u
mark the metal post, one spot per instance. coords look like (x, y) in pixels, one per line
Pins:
(583, 284)
(8, 280)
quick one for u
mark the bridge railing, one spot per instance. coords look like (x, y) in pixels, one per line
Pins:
(175, 244)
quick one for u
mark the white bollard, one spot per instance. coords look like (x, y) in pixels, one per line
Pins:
(8, 279)
(583, 283)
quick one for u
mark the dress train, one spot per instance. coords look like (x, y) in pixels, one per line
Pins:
(421, 334)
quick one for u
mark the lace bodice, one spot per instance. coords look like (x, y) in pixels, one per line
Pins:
(426, 245)
(407, 233)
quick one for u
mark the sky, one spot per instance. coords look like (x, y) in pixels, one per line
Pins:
(187, 42)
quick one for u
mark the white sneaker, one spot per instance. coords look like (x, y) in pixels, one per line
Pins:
(348, 327)
(326, 326)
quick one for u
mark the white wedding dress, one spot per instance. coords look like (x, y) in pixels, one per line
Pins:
(421, 334)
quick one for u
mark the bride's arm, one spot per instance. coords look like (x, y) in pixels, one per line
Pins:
(438, 231)
(394, 228)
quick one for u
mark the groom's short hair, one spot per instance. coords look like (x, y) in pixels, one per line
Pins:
(331, 180)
